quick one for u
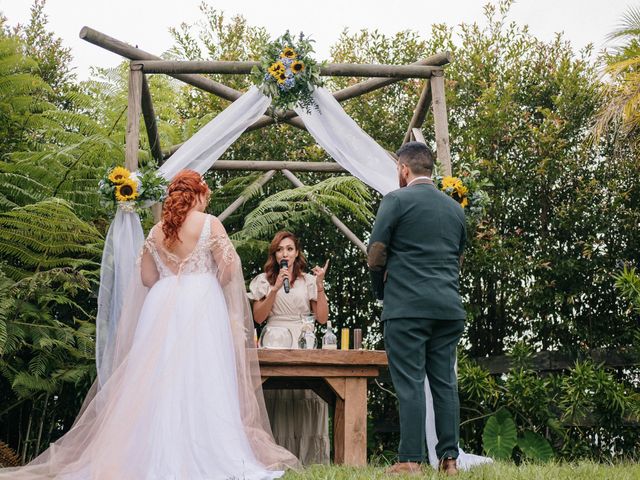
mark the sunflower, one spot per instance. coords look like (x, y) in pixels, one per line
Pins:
(127, 190)
(281, 78)
(288, 52)
(118, 175)
(297, 67)
(461, 190)
(451, 182)
(276, 68)
(464, 202)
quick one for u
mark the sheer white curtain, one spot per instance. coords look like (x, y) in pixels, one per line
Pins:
(121, 249)
(348, 144)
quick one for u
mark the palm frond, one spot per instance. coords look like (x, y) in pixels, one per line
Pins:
(629, 25)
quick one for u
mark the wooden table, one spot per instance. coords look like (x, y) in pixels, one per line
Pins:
(337, 376)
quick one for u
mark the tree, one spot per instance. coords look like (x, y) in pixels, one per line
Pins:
(621, 106)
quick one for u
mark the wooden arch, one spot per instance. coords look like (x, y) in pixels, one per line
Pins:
(431, 69)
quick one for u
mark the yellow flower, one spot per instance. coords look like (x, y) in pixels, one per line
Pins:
(462, 190)
(276, 68)
(118, 175)
(281, 78)
(464, 202)
(450, 182)
(288, 52)
(127, 190)
(297, 67)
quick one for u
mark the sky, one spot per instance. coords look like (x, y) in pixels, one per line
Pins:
(146, 22)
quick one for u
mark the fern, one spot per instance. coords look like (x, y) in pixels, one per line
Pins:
(47, 235)
(335, 195)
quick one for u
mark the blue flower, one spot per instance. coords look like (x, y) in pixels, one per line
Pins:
(267, 76)
(289, 83)
(286, 61)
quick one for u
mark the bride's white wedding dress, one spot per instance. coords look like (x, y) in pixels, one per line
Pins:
(181, 401)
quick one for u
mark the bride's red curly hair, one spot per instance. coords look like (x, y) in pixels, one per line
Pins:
(183, 194)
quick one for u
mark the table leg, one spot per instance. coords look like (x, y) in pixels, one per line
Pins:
(350, 424)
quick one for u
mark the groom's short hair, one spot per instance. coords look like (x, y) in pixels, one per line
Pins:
(416, 156)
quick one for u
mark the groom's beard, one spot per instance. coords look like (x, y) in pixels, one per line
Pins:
(402, 181)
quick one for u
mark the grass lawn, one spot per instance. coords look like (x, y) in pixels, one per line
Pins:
(550, 471)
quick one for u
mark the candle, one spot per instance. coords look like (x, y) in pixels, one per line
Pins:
(344, 339)
(357, 339)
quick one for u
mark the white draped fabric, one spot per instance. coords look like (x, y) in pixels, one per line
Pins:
(121, 249)
(201, 151)
(331, 127)
(348, 144)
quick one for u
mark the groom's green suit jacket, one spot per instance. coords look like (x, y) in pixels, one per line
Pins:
(414, 253)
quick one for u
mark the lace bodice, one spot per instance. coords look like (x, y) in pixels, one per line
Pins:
(210, 254)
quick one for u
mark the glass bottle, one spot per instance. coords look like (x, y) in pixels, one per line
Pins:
(329, 340)
(307, 339)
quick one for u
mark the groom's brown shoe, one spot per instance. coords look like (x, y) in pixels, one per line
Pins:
(410, 468)
(448, 467)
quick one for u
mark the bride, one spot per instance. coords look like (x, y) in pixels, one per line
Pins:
(184, 397)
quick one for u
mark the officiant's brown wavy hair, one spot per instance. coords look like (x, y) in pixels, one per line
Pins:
(182, 195)
(271, 268)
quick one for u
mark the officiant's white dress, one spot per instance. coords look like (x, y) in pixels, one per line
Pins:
(174, 407)
(299, 417)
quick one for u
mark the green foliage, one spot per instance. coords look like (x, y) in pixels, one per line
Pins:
(628, 282)
(535, 446)
(47, 235)
(621, 106)
(52, 59)
(555, 414)
(500, 436)
(20, 96)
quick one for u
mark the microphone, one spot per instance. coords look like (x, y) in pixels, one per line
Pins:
(285, 265)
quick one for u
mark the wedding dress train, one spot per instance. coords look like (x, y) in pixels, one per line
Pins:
(181, 401)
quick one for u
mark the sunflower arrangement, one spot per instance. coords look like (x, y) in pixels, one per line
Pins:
(468, 190)
(131, 190)
(287, 74)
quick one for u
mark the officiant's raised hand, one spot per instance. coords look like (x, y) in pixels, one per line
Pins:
(320, 272)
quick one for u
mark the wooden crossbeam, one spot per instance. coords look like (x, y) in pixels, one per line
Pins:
(132, 135)
(135, 54)
(150, 122)
(420, 112)
(361, 88)
(330, 70)
(132, 53)
(265, 165)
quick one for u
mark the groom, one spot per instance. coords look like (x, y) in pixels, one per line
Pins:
(414, 255)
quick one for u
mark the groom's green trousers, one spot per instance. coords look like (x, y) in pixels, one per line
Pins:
(415, 347)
